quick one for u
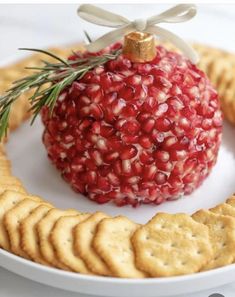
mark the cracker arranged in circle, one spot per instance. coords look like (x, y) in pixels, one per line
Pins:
(231, 201)
(7, 181)
(83, 237)
(5, 171)
(12, 221)
(224, 209)
(172, 244)
(29, 234)
(222, 237)
(8, 200)
(10, 181)
(112, 242)
(5, 166)
(62, 238)
(17, 188)
(44, 229)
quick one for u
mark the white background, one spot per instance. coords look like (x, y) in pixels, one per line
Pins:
(45, 25)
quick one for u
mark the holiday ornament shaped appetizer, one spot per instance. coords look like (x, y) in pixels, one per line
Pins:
(129, 123)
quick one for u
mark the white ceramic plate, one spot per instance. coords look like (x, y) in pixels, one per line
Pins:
(31, 165)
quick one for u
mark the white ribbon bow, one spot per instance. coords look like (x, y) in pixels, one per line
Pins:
(177, 14)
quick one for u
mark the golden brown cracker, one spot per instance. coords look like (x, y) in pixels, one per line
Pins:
(12, 221)
(62, 238)
(112, 242)
(44, 229)
(5, 171)
(8, 200)
(222, 237)
(5, 164)
(172, 244)
(11, 180)
(29, 234)
(84, 233)
(219, 66)
(15, 188)
(224, 209)
(231, 201)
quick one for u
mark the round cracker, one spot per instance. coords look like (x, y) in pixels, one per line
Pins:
(172, 244)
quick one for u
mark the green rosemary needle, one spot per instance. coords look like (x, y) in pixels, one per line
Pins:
(47, 81)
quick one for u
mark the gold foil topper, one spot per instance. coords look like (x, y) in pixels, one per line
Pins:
(139, 47)
(122, 27)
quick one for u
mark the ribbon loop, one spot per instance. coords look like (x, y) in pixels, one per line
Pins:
(177, 14)
(102, 17)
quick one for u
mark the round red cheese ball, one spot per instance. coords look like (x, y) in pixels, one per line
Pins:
(135, 133)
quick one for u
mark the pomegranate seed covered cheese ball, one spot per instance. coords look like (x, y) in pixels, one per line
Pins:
(135, 133)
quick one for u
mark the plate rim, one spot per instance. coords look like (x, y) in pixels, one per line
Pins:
(116, 280)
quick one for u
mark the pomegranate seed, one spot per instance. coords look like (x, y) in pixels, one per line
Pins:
(131, 127)
(126, 166)
(96, 156)
(95, 127)
(148, 80)
(161, 110)
(148, 125)
(184, 123)
(134, 79)
(128, 152)
(137, 167)
(101, 144)
(158, 136)
(189, 178)
(103, 184)
(170, 142)
(161, 178)
(178, 155)
(146, 158)
(96, 111)
(129, 111)
(117, 167)
(133, 180)
(111, 157)
(163, 124)
(106, 131)
(86, 123)
(163, 156)
(130, 139)
(78, 187)
(190, 165)
(91, 177)
(145, 142)
(149, 172)
(175, 181)
(165, 166)
(117, 106)
(113, 179)
(90, 164)
(101, 199)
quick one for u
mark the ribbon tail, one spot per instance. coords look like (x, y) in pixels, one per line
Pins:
(101, 17)
(109, 38)
(189, 52)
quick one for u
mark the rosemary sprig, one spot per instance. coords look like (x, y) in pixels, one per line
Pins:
(48, 81)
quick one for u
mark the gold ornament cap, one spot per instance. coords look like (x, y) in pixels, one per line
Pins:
(139, 47)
